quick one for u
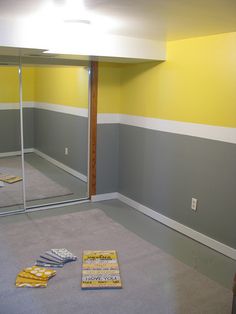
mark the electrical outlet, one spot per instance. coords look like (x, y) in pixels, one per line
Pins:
(194, 204)
(66, 151)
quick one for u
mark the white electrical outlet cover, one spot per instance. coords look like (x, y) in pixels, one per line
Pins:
(194, 204)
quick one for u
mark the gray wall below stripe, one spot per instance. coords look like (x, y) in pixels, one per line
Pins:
(28, 118)
(164, 171)
(54, 131)
(10, 130)
(107, 158)
(48, 131)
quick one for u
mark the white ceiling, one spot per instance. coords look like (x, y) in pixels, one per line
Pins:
(150, 19)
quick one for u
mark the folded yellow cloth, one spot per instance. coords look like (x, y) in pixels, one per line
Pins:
(32, 283)
(34, 277)
(40, 272)
(24, 274)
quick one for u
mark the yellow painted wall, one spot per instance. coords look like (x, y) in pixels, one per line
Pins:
(196, 84)
(9, 84)
(56, 85)
(66, 86)
(9, 87)
(28, 83)
(109, 88)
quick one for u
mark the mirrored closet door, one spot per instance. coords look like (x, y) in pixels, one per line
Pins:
(11, 176)
(55, 106)
(44, 111)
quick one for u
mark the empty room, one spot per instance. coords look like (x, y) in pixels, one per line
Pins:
(117, 157)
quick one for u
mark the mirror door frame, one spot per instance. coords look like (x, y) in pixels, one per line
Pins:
(92, 137)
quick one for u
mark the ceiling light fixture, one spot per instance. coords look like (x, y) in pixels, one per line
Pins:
(70, 17)
(79, 21)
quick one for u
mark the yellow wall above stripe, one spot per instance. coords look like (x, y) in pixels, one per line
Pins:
(109, 88)
(196, 84)
(9, 84)
(28, 83)
(66, 86)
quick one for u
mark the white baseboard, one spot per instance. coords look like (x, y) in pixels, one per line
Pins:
(104, 197)
(16, 153)
(75, 173)
(191, 233)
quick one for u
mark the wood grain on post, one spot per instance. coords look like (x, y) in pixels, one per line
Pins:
(234, 296)
(93, 127)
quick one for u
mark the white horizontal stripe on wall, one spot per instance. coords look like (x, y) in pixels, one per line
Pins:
(76, 111)
(218, 133)
(189, 232)
(16, 106)
(9, 106)
(108, 118)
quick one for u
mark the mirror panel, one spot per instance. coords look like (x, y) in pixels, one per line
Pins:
(55, 101)
(11, 183)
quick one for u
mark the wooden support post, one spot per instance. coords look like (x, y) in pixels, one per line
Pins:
(234, 296)
(93, 127)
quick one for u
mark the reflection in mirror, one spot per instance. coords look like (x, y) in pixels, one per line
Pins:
(55, 115)
(11, 184)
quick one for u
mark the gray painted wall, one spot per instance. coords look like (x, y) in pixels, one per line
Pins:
(28, 118)
(10, 130)
(48, 131)
(54, 131)
(107, 158)
(164, 171)
(160, 170)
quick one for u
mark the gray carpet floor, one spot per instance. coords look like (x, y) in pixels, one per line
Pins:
(153, 281)
(75, 185)
(38, 185)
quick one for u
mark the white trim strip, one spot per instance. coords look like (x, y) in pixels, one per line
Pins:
(104, 197)
(218, 133)
(57, 205)
(75, 111)
(191, 233)
(108, 118)
(43, 207)
(61, 165)
(16, 153)
(16, 106)
(28, 104)
(9, 106)
(211, 132)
